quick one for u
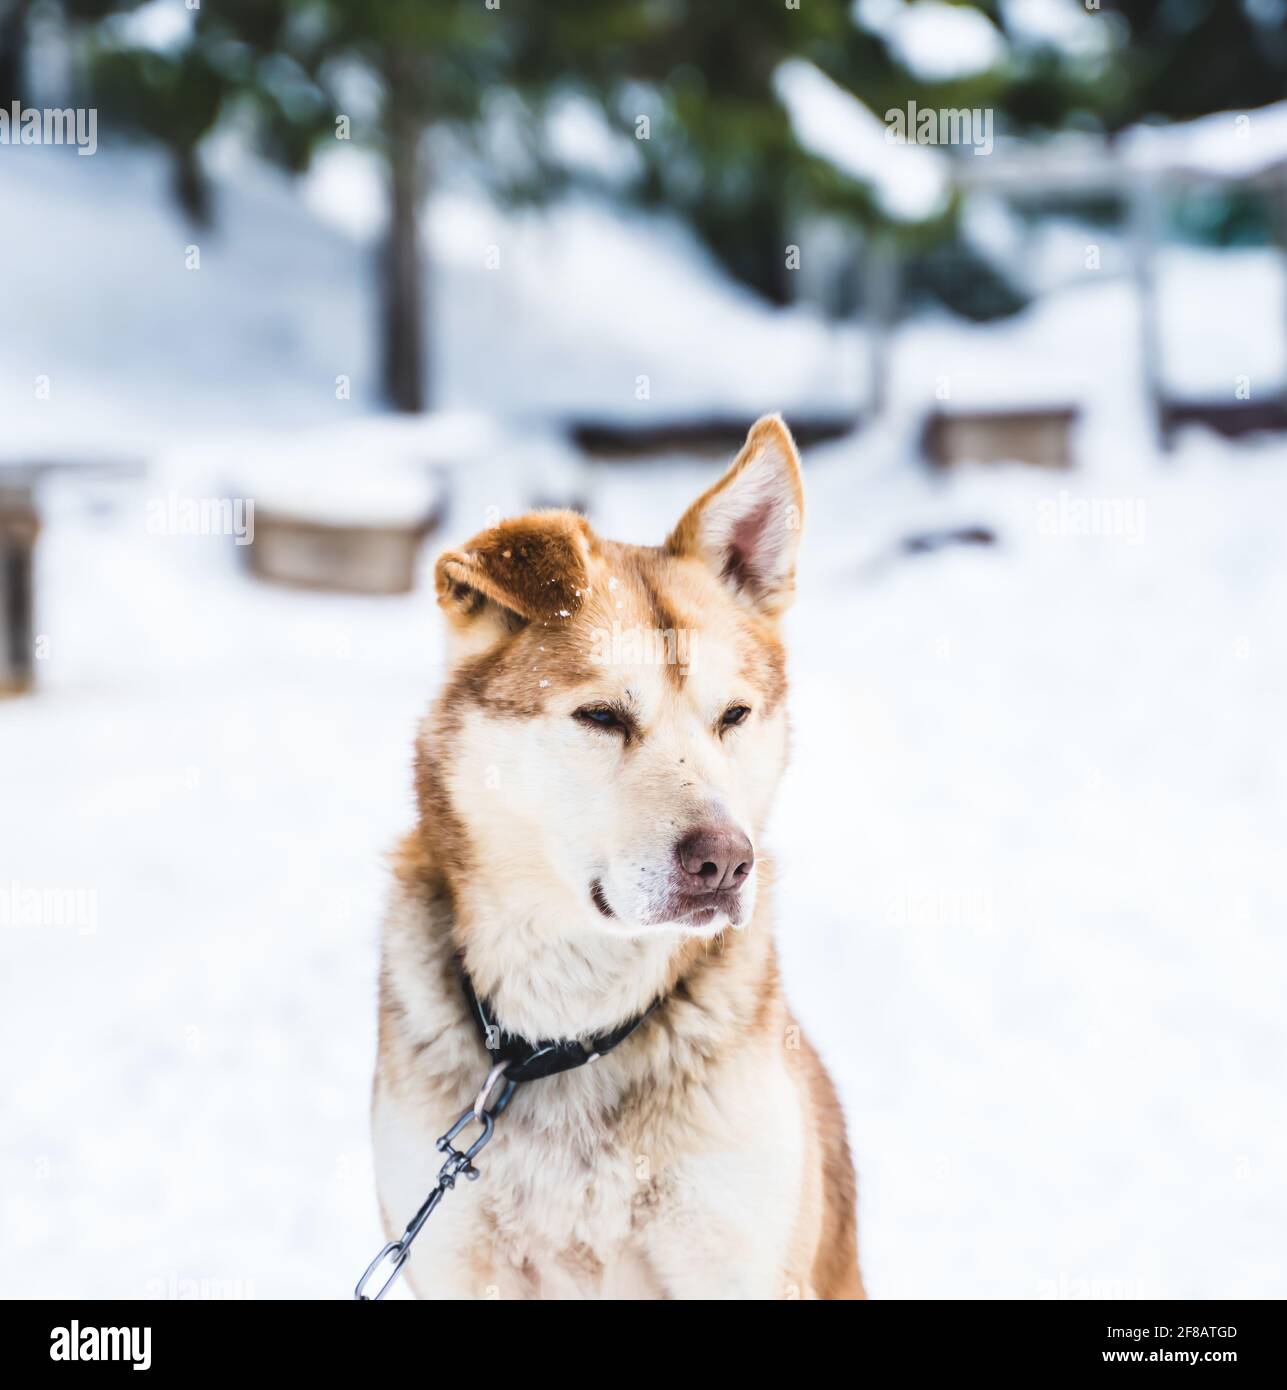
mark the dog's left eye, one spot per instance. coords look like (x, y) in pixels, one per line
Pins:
(734, 715)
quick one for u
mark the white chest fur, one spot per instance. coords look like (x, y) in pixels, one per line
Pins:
(570, 1207)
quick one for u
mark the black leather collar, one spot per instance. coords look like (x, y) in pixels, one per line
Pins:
(530, 1061)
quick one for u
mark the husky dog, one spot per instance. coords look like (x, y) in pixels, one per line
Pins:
(588, 873)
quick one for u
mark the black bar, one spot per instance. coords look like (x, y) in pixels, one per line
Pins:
(382, 1340)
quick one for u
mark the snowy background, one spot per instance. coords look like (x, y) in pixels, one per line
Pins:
(1051, 989)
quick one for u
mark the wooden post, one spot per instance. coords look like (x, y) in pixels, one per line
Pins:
(1145, 219)
(1278, 200)
(880, 305)
(19, 526)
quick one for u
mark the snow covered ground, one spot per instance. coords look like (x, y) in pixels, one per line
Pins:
(538, 316)
(1050, 986)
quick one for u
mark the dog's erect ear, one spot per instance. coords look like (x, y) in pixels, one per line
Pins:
(530, 569)
(747, 527)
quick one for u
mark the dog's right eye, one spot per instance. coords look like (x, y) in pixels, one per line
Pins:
(602, 717)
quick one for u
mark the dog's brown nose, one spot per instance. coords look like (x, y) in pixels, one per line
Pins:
(714, 857)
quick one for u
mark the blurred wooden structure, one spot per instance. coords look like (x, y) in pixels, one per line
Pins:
(346, 514)
(1140, 174)
(357, 559)
(1151, 191)
(715, 435)
(20, 525)
(1038, 436)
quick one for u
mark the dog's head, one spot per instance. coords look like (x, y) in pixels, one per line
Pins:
(613, 727)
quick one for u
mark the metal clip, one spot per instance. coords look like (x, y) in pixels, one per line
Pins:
(402, 1251)
(481, 1099)
(458, 1161)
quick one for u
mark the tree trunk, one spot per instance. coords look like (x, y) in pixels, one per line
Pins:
(401, 305)
(13, 48)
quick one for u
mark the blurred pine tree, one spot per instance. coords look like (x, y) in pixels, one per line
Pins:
(720, 150)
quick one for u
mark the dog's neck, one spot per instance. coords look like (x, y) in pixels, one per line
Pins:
(549, 970)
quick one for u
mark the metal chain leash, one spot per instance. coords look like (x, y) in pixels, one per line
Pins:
(458, 1162)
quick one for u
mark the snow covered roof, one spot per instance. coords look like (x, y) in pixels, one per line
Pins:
(1228, 145)
(1068, 161)
(340, 488)
(1231, 146)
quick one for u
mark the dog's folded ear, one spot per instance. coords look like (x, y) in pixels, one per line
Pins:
(747, 526)
(531, 569)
